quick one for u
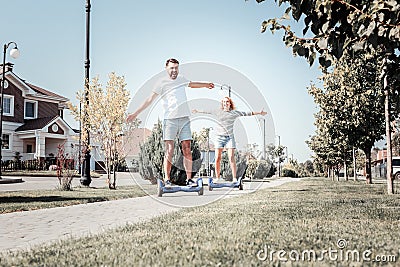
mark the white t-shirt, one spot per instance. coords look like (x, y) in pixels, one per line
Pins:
(173, 96)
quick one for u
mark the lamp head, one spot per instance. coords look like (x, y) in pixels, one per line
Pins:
(14, 53)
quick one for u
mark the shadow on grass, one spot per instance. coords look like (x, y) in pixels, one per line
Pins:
(19, 199)
(290, 190)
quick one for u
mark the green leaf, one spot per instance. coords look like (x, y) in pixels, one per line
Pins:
(311, 58)
(286, 14)
(395, 33)
(358, 45)
(322, 43)
(325, 27)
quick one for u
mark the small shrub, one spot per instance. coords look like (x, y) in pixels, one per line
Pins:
(287, 172)
(259, 169)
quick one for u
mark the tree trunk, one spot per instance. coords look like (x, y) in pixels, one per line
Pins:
(345, 168)
(368, 166)
(108, 169)
(354, 165)
(389, 169)
(114, 184)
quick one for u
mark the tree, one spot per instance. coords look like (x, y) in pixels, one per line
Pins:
(66, 166)
(335, 26)
(352, 106)
(105, 118)
(327, 152)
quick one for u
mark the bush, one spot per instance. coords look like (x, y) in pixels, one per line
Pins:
(288, 172)
(259, 169)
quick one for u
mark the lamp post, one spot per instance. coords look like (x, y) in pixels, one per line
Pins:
(279, 156)
(86, 179)
(226, 87)
(14, 53)
(286, 155)
(263, 152)
(208, 151)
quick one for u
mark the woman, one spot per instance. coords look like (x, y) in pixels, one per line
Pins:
(225, 138)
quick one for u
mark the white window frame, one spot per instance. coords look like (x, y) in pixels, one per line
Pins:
(9, 142)
(35, 109)
(11, 113)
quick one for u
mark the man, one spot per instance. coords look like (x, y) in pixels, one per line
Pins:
(171, 89)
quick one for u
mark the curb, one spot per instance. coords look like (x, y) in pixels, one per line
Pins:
(11, 180)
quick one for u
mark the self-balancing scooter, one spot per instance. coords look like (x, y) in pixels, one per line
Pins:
(212, 185)
(162, 189)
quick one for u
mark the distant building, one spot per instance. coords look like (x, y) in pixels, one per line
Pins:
(132, 142)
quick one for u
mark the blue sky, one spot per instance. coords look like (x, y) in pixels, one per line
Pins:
(134, 38)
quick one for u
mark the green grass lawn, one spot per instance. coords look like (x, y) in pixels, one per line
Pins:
(11, 201)
(286, 225)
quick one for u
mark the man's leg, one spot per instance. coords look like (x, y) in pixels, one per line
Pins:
(187, 158)
(232, 161)
(169, 151)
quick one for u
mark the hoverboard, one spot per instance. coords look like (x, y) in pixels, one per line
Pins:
(176, 188)
(238, 184)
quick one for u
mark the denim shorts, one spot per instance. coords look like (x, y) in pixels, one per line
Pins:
(178, 127)
(226, 141)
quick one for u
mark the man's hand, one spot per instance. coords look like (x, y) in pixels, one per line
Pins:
(210, 85)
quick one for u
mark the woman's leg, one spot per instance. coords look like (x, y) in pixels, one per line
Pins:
(218, 156)
(231, 157)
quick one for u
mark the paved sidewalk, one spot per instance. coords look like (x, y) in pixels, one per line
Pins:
(21, 230)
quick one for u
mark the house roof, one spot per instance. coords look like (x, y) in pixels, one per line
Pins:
(29, 88)
(44, 91)
(35, 124)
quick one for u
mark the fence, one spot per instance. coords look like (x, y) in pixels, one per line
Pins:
(33, 164)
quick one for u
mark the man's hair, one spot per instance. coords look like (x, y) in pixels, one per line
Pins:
(172, 60)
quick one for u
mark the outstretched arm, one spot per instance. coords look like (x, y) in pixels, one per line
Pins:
(200, 111)
(201, 85)
(131, 117)
(262, 112)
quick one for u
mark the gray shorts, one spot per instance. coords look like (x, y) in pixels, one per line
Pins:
(178, 127)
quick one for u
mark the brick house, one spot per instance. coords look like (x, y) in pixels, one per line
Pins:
(33, 123)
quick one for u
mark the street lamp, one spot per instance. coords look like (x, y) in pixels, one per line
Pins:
(287, 155)
(86, 179)
(226, 87)
(279, 156)
(263, 152)
(208, 151)
(14, 53)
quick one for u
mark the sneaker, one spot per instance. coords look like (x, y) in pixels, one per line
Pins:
(190, 182)
(216, 180)
(168, 184)
(234, 180)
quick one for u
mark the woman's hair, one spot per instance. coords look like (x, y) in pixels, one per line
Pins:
(230, 101)
(172, 60)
